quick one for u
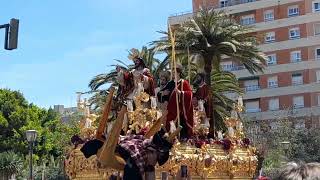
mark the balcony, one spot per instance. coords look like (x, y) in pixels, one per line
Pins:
(252, 88)
(227, 3)
(284, 90)
(231, 67)
(278, 114)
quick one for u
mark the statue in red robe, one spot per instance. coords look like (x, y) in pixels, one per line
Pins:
(202, 93)
(184, 94)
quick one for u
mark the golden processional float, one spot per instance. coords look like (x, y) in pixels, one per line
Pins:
(229, 156)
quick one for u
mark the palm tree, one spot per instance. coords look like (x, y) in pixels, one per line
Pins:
(213, 35)
(10, 164)
(222, 82)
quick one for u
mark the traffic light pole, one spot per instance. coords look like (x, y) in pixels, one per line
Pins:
(6, 26)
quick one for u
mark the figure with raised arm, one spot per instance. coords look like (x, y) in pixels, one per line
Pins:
(135, 81)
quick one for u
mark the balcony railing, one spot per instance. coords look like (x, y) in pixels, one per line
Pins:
(235, 2)
(295, 37)
(252, 88)
(232, 68)
(253, 110)
(296, 60)
(273, 85)
(297, 82)
(248, 21)
(298, 106)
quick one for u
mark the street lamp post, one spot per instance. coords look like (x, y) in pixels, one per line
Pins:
(31, 137)
(286, 146)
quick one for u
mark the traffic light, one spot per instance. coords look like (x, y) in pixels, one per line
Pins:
(12, 41)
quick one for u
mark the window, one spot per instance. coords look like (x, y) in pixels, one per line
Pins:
(246, 1)
(274, 125)
(300, 124)
(273, 82)
(316, 6)
(270, 37)
(298, 102)
(295, 56)
(274, 104)
(317, 53)
(293, 11)
(247, 20)
(252, 106)
(297, 79)
(223, 3)
(316, 28)
(227, 66)
(269, 15)
(251, 85)
(294, 33)
(272, 59)
(318, 76)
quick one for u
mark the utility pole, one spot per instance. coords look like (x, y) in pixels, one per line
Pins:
(11, 34)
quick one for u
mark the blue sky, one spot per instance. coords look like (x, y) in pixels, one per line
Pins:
(64, 43)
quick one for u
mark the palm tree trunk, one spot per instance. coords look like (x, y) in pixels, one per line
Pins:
(207, 70)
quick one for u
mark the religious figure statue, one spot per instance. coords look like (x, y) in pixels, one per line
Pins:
(202, 95)
(80, 102)
(164, 90)
(88, 118)
(135, 81)
(183, 92)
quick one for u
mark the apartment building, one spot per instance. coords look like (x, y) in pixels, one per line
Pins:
(290, 32)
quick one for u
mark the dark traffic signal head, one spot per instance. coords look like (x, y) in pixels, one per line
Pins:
(13, 34)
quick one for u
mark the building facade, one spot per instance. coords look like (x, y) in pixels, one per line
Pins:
(290, 32)
(65, 112)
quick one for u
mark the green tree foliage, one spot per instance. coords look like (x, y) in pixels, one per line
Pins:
(14, 115)
(306, 146)
(17, 116)
(284, 143)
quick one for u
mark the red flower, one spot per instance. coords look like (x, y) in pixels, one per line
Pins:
(226, 144)
(246, 141)
(263, 178)
(199, 143)
(143, 131)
